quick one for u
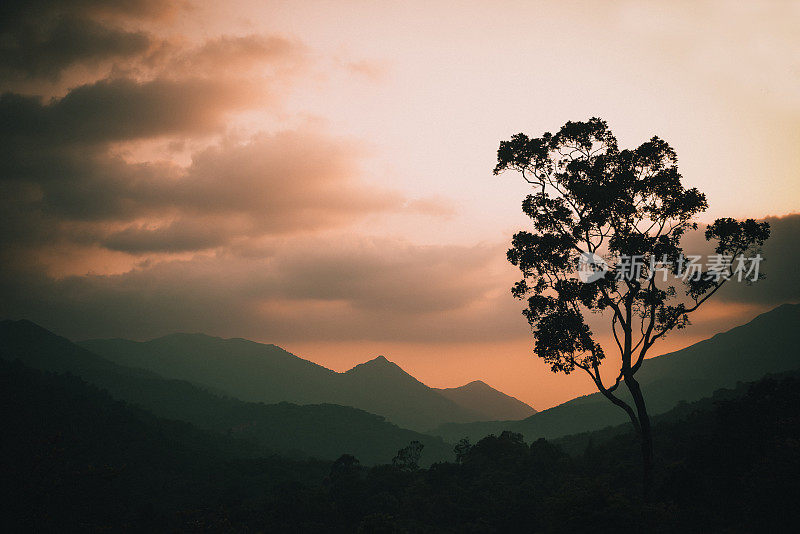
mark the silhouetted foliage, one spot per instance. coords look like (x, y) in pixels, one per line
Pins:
(74, 459)
(592, 198)
(408, 457)
(461, 449)
(767, 344)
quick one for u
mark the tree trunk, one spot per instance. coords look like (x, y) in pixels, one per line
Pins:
(645, 436)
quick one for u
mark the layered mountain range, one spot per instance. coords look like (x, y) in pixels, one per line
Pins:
(323, 431)
(260, 372)
(279, 402)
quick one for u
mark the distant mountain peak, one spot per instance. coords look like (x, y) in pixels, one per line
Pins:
(476, 384)
(482, 398)
(377, 363)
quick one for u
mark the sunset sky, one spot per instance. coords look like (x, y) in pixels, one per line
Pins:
(318, 174)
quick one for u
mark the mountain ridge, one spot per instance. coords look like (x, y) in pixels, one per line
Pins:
(474, 395)
(319, 430)
(769, 343)
(260, 372)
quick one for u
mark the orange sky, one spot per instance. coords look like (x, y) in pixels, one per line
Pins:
(318, 174)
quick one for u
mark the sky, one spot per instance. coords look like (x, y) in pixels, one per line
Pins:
(318, 174)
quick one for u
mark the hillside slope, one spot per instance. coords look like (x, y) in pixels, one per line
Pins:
(324, 431)
(259, 372)
(77, 460)
(770, 343)
(247, 370)
(392, 392)
(480, 397)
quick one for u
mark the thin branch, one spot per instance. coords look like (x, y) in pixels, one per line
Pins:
(614, 399)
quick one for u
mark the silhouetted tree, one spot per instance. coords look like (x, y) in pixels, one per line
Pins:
(345, 466)
(461, 449)
(592, 198)
(408, 457)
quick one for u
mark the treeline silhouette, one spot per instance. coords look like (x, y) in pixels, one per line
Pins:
(76, 459)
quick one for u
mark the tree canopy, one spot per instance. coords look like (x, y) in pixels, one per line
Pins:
(592, 198)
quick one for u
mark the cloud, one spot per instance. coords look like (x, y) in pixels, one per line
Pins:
(343, 288)
(233, 233)
(289, 180)
(41, 39)
(233, 54)
(47, 48)
(333, 287)
(16, 11)
(124, 109)
(276, 184)
(388, 276)
(373, 70)
(67, 173)
(738, 302)
(178, 236)
(781, 260)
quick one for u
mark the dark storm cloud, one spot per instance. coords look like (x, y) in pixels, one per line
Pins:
(44, 49)
(69, 189)
(272, 184)
(43, 38)
(64, 172)
(59, 164)
(14, 11)
(341, 289)
(178, 236)
(232, 242)
(122, 109)
(381, 276)
(301, 179)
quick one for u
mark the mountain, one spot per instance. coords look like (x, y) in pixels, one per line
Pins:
(77, 460)
(260, 372)
(389, 390)
(770, 343)
(491, 404)
(324, 430)
(576, 444)
(250, 371)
